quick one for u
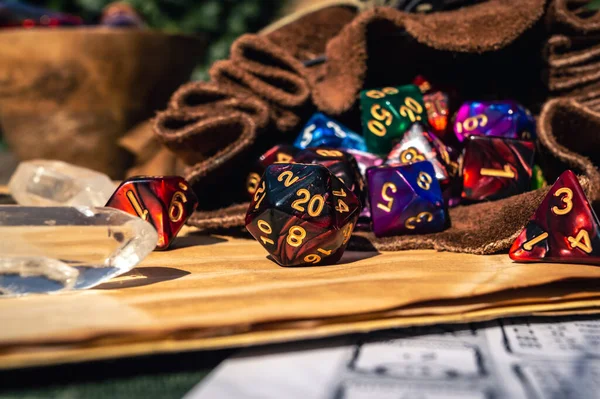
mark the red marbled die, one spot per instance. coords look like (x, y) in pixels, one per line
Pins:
(564, 228)
(164, 201)
(495, 168)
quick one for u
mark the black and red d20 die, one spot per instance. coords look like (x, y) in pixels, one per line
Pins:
(164, 201)
(302, 214)
(495, 168)
(340, 163)
(563, 229)
(280, 153)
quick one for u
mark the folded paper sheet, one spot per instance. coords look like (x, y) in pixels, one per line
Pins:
(214, 292)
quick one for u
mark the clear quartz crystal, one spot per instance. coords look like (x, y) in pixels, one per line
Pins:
(45, 249)
(34, 274)
(56, 183)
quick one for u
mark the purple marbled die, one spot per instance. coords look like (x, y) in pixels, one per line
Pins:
(505, 119)
(405, 199)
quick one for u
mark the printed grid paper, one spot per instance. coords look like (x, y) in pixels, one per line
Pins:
(541, 358)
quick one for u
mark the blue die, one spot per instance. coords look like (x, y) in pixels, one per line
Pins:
(322, 131)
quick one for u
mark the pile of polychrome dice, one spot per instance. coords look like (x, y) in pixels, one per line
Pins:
(400, 176)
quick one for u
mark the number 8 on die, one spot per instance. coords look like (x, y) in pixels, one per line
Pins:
(303, 215)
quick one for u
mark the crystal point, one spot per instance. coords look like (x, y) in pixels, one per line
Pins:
(29, 274)
(96, 243)
(56, 183)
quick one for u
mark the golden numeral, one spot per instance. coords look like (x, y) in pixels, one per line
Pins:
(330, 153)
(375, 94)
(347, 232)
(386, 197)
(252, 182)
(424, 180)
(342, 207)
(376, 128)
(296, 235)
(183, 186)
(315, 204)
(472, 123)
(444, 154)
(439, 106)
(506, 172)
(380, 94)
(381, 114)
(413, 220)
(314, 258)
(176, 207)
(265, 228)
(289, 178)
(585, 246)
(567, 200)
(284, 158)
(410, 107)
(528, 246)
(458, 127)
(258, 192)
(141, 212)
(340, 193)
(424, 87)
(413, 104)
(410, 155)
(266, 240)
(324, 251)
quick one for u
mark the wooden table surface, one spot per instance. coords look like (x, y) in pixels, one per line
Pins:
(213, 292)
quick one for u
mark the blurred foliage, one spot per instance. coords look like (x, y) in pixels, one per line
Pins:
(221, 20)
(593, 5)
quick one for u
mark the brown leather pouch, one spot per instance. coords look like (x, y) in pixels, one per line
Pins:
(544, 54)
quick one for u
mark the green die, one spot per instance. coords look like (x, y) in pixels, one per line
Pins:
(537, 178)
(387, 113)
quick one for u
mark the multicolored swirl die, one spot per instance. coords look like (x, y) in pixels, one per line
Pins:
(437, 111)
(164, 201)
(322, 131)
(279, 153)
(417, 145)
(564, 228)
(405, 199)
(495, 119)
(387, 113)
(495, 168)
(341, 164)
(302, 214)
(365, 160)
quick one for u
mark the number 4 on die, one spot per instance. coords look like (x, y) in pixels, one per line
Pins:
(563, 229)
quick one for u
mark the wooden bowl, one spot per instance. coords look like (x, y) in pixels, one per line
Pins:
(70, 93)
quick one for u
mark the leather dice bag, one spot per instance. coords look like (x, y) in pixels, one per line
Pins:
(544, 54)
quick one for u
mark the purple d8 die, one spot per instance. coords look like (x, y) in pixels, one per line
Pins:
(505, 119)
(405, 199)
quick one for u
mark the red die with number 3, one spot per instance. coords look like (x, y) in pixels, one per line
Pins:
(164, 201)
